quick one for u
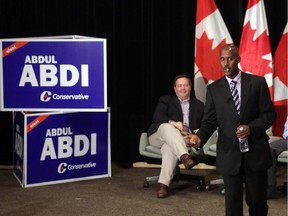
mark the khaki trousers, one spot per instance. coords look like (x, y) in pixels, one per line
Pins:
(172, 145)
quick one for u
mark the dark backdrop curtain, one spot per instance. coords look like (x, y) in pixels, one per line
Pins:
(148, 43)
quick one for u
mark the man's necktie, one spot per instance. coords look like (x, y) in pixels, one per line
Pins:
(235, 95)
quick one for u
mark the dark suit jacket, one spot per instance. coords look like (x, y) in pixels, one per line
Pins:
(169, 108)
(257, 112)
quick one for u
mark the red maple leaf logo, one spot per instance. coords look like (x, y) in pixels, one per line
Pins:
(252, 52)
(208, 59)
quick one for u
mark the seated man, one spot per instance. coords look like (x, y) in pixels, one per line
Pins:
(172, 115)
(276, 148)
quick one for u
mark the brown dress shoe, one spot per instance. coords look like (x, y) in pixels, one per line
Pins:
(163, 191)
(187, 161)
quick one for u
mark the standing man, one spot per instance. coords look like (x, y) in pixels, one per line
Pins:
(174, 115)
(254, 113)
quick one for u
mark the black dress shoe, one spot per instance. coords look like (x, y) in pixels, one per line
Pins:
(163, 191)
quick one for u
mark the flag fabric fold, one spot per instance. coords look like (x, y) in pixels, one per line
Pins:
(280, 83)
(256, 58)
(210, 35)
(254, 49)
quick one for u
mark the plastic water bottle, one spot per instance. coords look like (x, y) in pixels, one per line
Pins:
(243, 143)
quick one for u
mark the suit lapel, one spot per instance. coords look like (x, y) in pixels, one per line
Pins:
(176, 102)
(227, 95)
(245, 88)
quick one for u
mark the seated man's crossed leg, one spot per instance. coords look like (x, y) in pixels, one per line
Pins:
(173, 149)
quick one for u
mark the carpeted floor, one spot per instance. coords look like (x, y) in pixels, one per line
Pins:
(121, 194)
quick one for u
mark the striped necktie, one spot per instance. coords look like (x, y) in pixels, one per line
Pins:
(235, 95)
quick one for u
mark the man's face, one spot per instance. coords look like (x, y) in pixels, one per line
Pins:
(182, 88)
(229, 62)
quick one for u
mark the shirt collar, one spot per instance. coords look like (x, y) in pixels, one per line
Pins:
(237, 78)
(183, 101)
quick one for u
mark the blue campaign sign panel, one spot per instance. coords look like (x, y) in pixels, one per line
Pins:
(18, 145)
(53, 75)
(70, 146)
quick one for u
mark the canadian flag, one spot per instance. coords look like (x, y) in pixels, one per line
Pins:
(255, 50)
(280, 84)
(210, 35)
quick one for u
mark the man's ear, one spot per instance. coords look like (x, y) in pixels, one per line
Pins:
(239, 59)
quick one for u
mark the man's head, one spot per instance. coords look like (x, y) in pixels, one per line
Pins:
(182, 86)
(229, 59)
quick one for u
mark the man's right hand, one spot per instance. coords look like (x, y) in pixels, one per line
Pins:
(194, 141)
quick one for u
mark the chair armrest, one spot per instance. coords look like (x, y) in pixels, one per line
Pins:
(211, 142)
(143, 142)
(283, 157)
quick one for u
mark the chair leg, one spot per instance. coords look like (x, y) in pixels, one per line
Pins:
(215, 184)
(200, 179)
(149, 179)
(201, 185)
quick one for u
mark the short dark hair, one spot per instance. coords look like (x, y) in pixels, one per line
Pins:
(182, 76)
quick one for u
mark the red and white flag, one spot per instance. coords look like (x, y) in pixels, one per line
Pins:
(210, 35)
(280, 83)
(255, 50)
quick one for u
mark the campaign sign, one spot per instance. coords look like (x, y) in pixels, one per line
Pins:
(53, 75)
(18, 145)
(65, 147)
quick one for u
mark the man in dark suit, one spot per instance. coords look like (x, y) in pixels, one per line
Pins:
(174, 115)
(256, 114)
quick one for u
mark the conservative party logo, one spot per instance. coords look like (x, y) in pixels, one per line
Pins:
(45, 96)
(62, 168)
